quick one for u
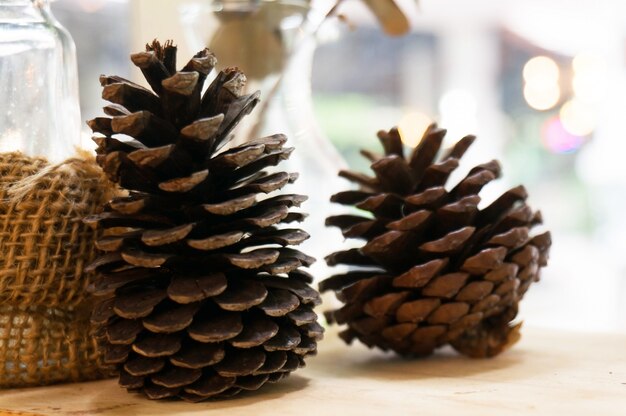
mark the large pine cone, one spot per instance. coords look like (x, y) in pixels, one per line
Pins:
(434, 269)
(200, 297)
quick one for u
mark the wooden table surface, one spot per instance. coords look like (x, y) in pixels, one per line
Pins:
(551, 373)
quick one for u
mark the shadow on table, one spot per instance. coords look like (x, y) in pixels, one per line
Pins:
(511, 365)
(135, 404)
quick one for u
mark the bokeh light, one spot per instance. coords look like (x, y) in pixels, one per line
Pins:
(542, 97)
(558, 140)
(541, 88)
(412, 127)
(578, 117)
(541, 70)
(589, 81)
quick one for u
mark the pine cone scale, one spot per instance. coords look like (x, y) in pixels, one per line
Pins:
(199, 355)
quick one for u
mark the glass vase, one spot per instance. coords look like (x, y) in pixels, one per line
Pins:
(40, 113)
(281, 36)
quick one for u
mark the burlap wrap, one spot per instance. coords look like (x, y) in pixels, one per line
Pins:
(45, 334)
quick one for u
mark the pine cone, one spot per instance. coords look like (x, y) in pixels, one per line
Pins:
(200, 295)
(434, 269)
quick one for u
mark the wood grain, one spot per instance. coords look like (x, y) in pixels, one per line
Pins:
(548, 373)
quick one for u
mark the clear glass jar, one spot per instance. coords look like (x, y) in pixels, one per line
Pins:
(273, 42)
(39, 111)
(257, 36)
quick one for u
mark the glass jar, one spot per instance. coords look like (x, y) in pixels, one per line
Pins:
(257, 36)
(279, 36)
(39, 113)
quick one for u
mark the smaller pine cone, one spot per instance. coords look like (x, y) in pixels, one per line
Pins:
(434, 268)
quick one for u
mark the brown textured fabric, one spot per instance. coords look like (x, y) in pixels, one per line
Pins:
(41, 345)
(44, 331)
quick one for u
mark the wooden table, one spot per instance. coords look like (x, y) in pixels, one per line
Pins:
(551, 373)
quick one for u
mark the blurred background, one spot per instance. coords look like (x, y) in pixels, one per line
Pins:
(542, 83)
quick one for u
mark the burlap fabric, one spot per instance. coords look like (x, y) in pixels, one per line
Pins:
(45, 334)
